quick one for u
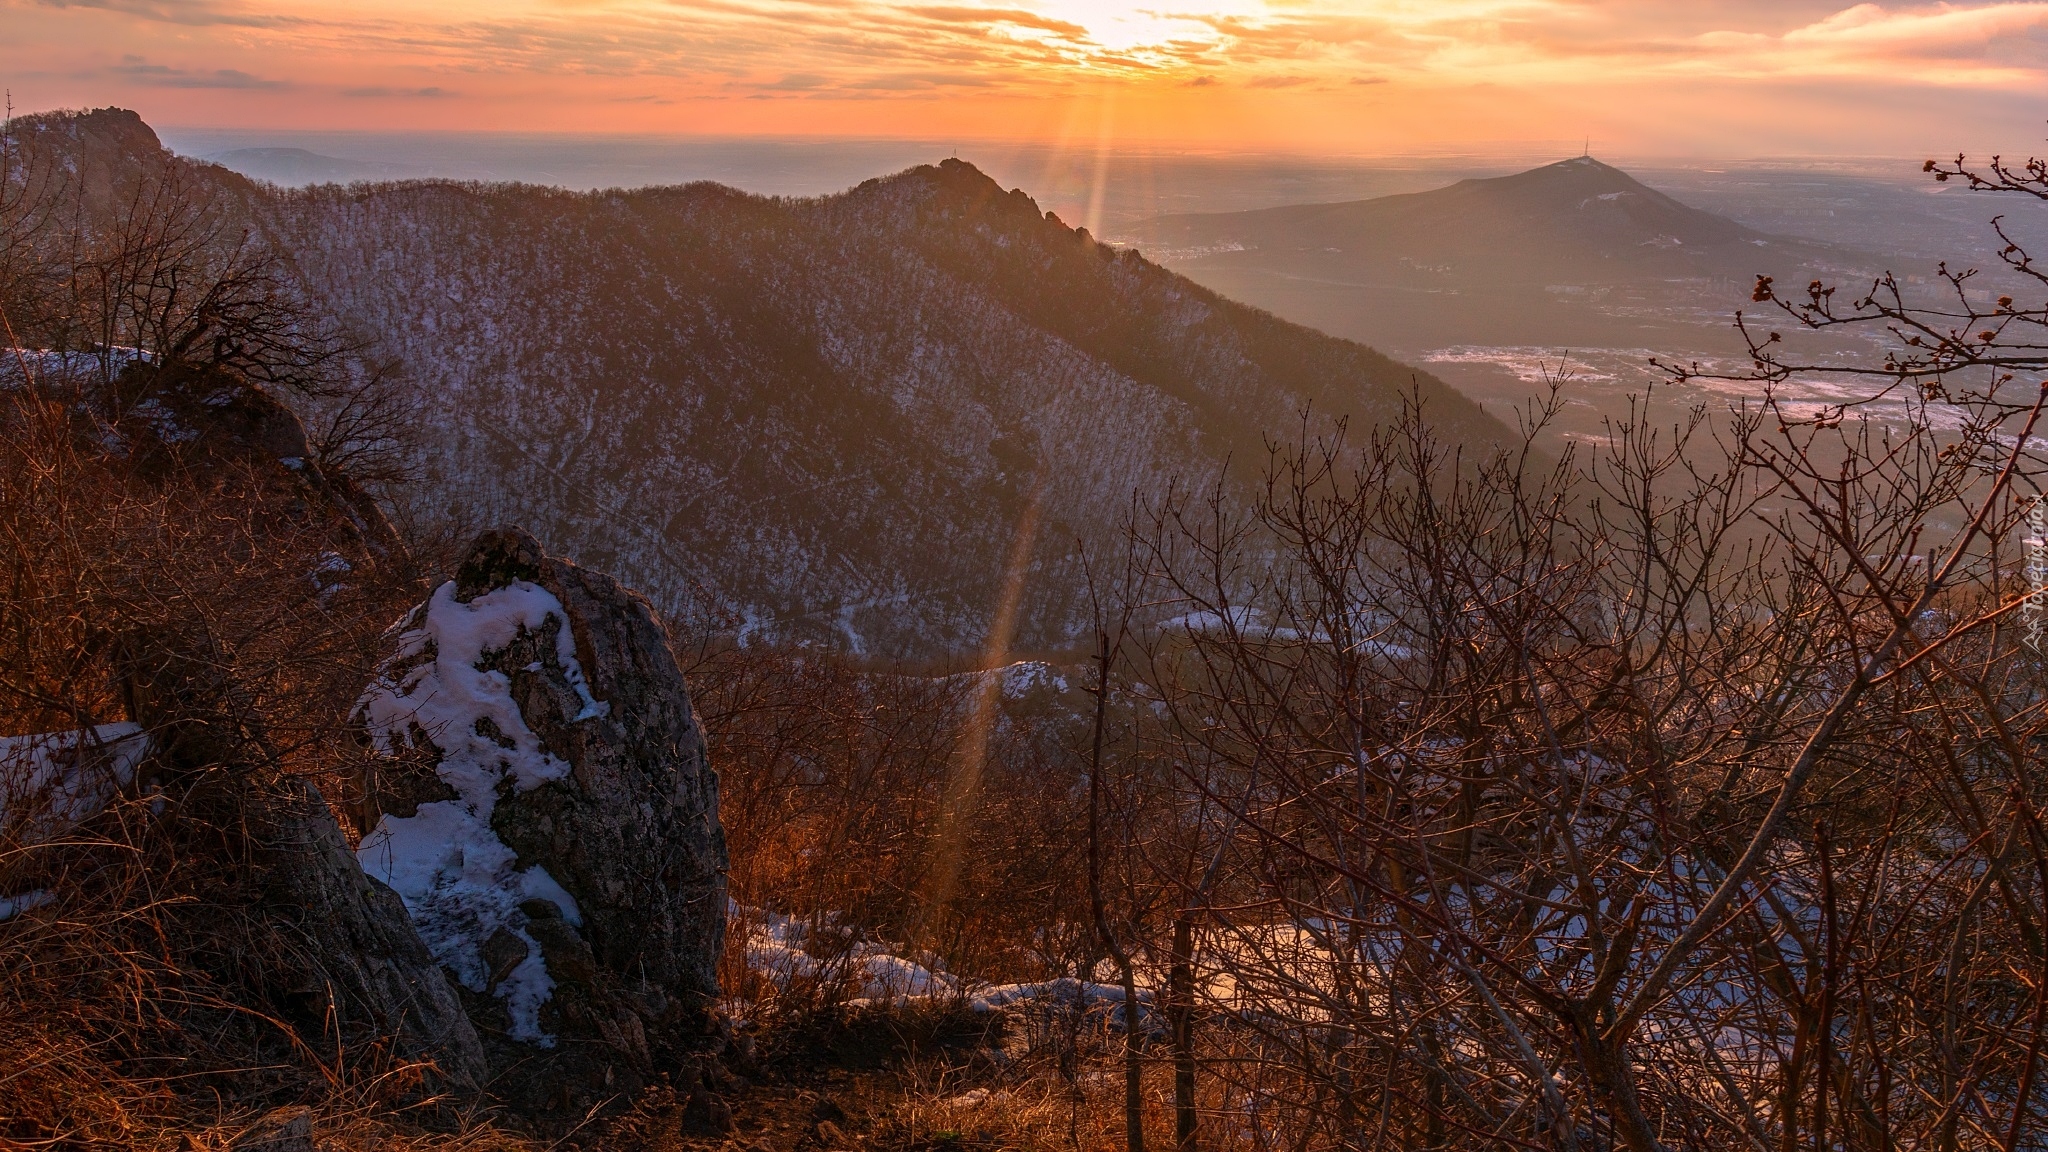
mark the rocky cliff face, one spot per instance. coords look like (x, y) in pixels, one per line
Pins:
(551, 822)
(355, 958)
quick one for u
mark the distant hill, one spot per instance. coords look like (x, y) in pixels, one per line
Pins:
(1495, 260)
(827, 416)
(1576, 219)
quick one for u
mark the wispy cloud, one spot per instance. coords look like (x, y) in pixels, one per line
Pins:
(194, 13)
(137, 70)
(1282, 55)
(381, 92)
(869, 44)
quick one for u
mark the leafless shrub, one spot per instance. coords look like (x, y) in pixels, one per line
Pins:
(833, 791)
(162, 273)
(1675, 794)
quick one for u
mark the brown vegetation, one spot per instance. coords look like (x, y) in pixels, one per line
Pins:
(1679, 793)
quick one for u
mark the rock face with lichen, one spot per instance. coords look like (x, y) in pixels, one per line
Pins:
(363, 959)
(551, 821)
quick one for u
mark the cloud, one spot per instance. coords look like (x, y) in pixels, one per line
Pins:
(137, 70)
(993, 16)
(1946, 44)
(649, 51)
(194, 13)
(916, 82)
(1958, 32)
(379, 92)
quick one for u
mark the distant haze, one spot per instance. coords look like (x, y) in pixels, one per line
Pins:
(1105, 189)
(1099, 189)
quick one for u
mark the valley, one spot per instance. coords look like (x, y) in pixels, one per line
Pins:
(795, 394)
(1583, 272)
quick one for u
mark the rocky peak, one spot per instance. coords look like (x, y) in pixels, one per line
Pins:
(118, 130)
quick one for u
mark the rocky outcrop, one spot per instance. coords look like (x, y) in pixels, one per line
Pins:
(205, 422)
(292, 929)
(551, 821)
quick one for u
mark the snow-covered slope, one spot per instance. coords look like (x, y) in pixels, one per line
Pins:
(825, 419)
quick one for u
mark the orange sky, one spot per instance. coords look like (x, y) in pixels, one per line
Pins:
(1695, 77)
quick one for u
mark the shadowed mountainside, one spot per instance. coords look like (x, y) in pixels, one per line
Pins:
(821, 420)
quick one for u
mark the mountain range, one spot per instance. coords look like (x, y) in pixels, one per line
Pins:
(822, 420)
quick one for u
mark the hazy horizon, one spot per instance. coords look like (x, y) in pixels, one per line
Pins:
(1102, 189)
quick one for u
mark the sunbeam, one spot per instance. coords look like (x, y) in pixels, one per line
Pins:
(963, 785)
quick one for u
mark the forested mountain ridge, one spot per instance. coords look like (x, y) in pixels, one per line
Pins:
(822, 419)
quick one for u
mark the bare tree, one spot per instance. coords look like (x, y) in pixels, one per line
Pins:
(1672, 794)
(1669, 795)
(163, 275)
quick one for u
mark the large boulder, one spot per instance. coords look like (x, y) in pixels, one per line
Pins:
(550, 820)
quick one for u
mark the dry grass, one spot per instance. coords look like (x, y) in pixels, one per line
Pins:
(1039, 1102)
(836, 787)
(155, 1002)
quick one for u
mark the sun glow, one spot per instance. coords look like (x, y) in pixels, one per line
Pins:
(1300, 74)
(1146, 32)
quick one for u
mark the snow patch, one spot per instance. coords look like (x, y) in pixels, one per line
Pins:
(45, 366)
(11, 906)
(1026, 676)
(461, 884)
(1087, 994)
(775, 947)
(53, 781)
(869, 973)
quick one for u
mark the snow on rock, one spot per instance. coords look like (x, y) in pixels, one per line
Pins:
(52, 781)
(458, 880)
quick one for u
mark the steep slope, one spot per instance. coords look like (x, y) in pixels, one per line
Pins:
(826, 417)
(824, 420)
